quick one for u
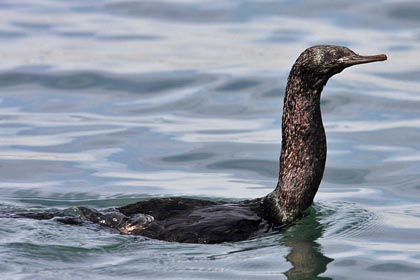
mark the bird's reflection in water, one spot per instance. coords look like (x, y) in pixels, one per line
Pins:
(305, 253)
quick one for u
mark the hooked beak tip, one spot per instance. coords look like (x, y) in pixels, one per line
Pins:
(381, 57)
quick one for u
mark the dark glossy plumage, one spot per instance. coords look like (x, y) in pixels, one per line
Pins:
(200, 221)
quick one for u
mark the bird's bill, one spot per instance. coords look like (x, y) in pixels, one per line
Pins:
(361, 59)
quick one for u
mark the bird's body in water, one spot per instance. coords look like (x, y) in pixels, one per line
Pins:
(302, 162)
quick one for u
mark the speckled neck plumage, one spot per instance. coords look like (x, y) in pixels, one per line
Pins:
(304, 148)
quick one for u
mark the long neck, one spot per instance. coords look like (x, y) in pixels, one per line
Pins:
(303, 151)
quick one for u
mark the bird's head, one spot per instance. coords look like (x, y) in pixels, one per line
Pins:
(321, 62)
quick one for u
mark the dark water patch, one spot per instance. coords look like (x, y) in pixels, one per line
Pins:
(8, 5)
(33, 68)
(405, 11)
(238, 85)
(5, 34)
(110, 140)
(222, 131)
(72, 81)
(188, 157)
(53, 130)
(83, 8)
(150, 83)
(226, 110)
(14, 79)
(394, 268)
(30, 25)
(265, 168)
(76, 34)
(108, 37)
(68, 81)
(128, 37)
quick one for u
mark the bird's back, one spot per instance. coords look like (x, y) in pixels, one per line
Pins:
(199, 221)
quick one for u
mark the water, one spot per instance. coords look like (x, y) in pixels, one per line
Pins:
(107, 102)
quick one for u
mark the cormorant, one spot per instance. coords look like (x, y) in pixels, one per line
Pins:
(302, 162)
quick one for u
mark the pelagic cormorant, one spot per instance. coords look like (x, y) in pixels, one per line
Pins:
(302, 162)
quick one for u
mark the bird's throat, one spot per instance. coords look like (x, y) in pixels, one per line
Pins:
(303, 151)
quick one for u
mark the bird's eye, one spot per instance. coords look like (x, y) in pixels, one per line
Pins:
(340, 60)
